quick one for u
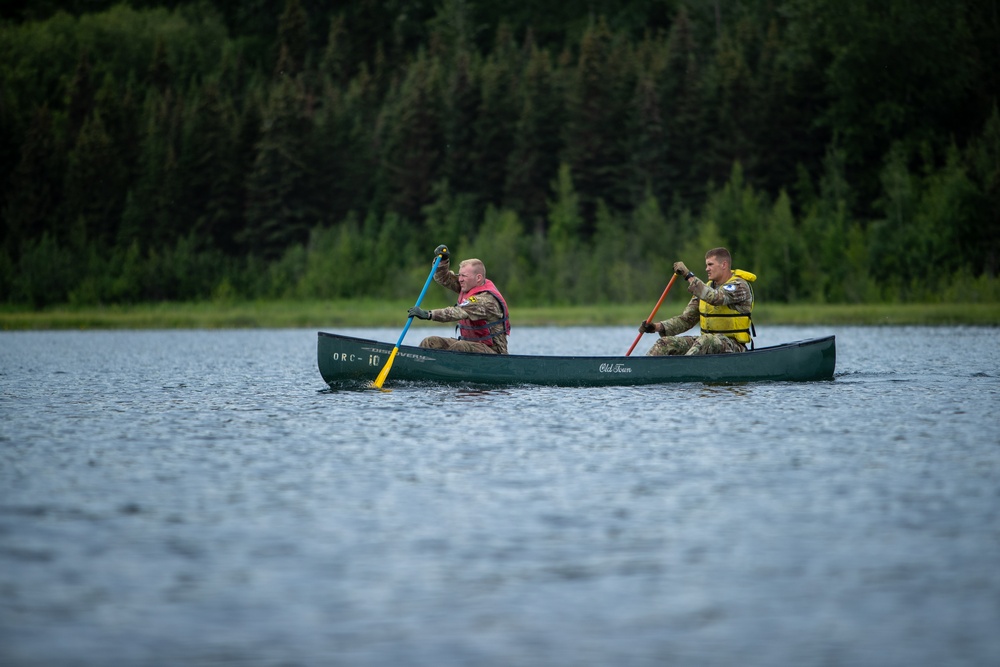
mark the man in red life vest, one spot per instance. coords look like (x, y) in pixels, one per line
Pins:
(481, 311)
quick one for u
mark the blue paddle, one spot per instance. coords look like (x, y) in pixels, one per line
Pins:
(384, 373)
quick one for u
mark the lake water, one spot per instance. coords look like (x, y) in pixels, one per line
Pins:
(200, 498)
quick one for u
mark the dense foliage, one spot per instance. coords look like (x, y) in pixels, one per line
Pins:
(844, 150)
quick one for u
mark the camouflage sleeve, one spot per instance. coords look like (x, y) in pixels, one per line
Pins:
(737, 294)
(482, 306)
(444, 276)
(681, 323)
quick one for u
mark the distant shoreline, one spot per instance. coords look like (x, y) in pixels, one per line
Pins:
(334, 314)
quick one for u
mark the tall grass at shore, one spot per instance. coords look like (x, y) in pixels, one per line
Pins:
(361, 313)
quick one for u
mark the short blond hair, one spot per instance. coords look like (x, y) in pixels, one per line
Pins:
(475, 264)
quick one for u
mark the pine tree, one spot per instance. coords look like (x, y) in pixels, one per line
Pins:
(227, 208)
(780, 255)
(824, 232)
(80, 96)
(496, 118)
(894, 252)
(682, 114)
(411, 140)
(534, 160)
(280, 193)
(738, 211)
(359, 155)
(206, 150)
(293, 40)
(36, 186)
(595, 147)
(150, 210)
(564, 243)
(656, 241)
(980, 236)
(120, 111)
(464, 98)
(94, 192)
(160, 75)
(649, 144)
(336, 64)
(730, 82)
(942, 224)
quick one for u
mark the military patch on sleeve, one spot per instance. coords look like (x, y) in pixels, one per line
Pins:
(730, 288)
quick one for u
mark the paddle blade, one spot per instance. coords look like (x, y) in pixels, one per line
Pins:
(384, 373)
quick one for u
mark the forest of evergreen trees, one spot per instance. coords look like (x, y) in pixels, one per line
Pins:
(844, 150)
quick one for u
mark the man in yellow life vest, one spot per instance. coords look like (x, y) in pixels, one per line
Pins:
(722, 307)
(481, 311)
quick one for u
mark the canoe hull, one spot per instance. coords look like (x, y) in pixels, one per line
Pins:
(346, 361)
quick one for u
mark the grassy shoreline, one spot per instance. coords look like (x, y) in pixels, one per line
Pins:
(357, 313)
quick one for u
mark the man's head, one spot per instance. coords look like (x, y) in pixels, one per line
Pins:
(471, 273)
(718, 265)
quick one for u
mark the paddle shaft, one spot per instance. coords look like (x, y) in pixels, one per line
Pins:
(653, 314)
(384, 373)
(423, 293)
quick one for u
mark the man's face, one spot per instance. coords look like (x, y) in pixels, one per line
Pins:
(468, 278)
(715, 268)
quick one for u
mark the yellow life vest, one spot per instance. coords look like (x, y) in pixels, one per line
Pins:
(729, 321)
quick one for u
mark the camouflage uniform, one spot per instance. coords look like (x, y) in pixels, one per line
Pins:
(482, 306)
(736, 294)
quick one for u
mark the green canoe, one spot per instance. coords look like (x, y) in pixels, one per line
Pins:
(345, 361)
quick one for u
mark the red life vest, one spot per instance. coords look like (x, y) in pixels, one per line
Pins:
(479, 331)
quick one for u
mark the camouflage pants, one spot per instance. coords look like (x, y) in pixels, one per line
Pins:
(439, 343)
(703, 344)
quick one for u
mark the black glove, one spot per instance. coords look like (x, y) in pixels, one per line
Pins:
(646, 327)
(419, 313)
(443, 251)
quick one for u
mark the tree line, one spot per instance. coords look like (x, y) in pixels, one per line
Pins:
(844, 150)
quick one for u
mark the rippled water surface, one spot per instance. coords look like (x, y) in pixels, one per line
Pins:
(199, 498)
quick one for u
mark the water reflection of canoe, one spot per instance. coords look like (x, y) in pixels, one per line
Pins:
(347, 361)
